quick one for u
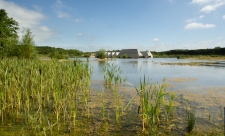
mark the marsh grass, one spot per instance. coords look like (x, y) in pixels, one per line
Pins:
(117, 103)
(152, 102)
(56, 98)
(112, 74)
(37, 92)
(103, 106)
(191, 118)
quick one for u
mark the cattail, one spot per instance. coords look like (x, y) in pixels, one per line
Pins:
(40, 71)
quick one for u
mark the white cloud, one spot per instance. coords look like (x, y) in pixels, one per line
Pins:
(79, 35)
(58, 7)
(220, 37)
(59, 4)
(171, 1)
(28, 19)
(195, 25)
(39, 9)
(155, 40)
(223, 16)
(79, 20)
(61, 14)
(43, 33)
(201, 17)
(191, 20)
(211, 7)
(200, 2)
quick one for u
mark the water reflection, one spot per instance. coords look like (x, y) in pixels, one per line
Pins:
(134, 69)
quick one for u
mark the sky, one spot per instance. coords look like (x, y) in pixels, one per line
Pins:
(90, 25)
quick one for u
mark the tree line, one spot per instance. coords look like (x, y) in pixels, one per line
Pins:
(11, 46)
(58, 53)
(213, 52)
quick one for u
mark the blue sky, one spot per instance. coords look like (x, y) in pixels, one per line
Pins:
(90, 25)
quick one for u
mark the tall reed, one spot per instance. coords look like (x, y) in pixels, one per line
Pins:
(151, 103)
(112, 74)
(35, 92)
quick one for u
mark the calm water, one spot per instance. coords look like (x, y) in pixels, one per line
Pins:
(134, 69)
(203, 86)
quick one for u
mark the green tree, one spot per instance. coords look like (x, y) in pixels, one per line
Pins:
(27, 45)
(8, 34)
(101, 54)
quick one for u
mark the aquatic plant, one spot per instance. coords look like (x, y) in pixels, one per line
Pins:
(191, 118)
(168, 108)
(191, 121)
(36, 92)
(151, 99)
(103, 106)
(117, 102)
(112, 74)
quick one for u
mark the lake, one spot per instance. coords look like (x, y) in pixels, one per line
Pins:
(203, 86)
(134, 69)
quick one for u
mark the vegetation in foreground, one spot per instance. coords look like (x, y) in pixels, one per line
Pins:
(56, 98)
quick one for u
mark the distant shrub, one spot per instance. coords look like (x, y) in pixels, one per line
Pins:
(124, 56)
(87, 55)
(101, 54)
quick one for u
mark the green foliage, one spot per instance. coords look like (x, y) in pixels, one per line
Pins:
(186, 53)
(112, 74)
(101, 54)
(26, 48)
(191, 118)
(8, 34)
(37, 88)
(191, 121)
(58, 53)
(124, 56)
(152, 100)
(87, 55)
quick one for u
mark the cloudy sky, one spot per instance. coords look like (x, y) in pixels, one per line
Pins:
(89, 25)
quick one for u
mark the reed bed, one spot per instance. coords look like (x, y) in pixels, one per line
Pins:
(56, 98)
(42, 95)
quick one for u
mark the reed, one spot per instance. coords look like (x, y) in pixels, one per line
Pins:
(103, 106)
(151, 103)
(33, 92)
(191, 121)
(112, 74)
(168, 108)
(191, 118)
(51, 97)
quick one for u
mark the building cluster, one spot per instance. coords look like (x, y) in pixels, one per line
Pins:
(129, 53)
